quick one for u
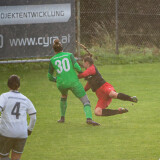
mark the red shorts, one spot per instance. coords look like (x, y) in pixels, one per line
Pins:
(103, 95)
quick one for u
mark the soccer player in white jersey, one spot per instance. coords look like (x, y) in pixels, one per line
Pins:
(14, 131)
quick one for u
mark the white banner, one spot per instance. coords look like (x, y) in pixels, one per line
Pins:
(31, 14)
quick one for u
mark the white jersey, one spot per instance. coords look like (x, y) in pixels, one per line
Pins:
(15, 107)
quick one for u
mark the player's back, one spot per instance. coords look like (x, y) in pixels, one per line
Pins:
(14, 114)
(63, 64)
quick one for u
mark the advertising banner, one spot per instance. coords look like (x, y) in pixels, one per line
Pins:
(28, 29)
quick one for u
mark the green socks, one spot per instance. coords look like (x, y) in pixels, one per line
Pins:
(63, 106)
(87, 110)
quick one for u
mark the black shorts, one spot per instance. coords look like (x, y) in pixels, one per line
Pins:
(15, 144)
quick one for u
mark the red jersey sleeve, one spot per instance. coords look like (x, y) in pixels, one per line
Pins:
(89, 71)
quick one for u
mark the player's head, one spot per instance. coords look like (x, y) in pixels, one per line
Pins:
(57, 46)
(87, 62)
(14, 82)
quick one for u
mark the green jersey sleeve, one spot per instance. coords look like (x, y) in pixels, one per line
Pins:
(50, 73)
(75, 64)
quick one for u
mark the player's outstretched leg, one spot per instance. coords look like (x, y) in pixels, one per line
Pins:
(125, 97)
(134, 99)
(122, 110)
(109, 112)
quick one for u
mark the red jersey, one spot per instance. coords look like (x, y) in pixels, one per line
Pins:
(93, 77)
(98, 85)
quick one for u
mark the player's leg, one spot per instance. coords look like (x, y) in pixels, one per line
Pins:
(106, 112)
(87, 106)
(103, 103)
(101, 106)
(123, 96)
(103, 100)
(5, 147)
(80, 93)
(18, 148)
(87, 110)
(16, 156)
(109, 112)
(63, 105)
(98, 111)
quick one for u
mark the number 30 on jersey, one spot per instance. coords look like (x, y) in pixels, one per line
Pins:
(62, 65)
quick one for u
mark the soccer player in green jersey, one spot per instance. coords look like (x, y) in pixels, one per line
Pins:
(65, 66)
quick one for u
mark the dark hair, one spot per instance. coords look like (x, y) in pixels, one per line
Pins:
(57, 46)
(88, 59)
(14, 82)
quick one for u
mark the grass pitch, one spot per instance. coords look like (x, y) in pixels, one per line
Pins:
(131, 136)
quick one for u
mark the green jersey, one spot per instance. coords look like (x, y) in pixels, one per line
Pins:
(65, 65)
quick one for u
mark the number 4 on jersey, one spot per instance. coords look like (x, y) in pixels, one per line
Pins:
(15, 110)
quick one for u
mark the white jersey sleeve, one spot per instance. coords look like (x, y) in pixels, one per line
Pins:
(31, 110)
(32, 113)
(2, 102)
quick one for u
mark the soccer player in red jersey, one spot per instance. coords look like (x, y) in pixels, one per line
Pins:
(104, 91)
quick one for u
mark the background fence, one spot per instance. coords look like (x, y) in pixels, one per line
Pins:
(138, 24)
(117, 26)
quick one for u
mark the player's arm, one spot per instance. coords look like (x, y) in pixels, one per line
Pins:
(87, 87)
(50, 73)
(76, 66)
(32, 114)
(1, 109)
(31, 123)
(88, 72)
(2, 102)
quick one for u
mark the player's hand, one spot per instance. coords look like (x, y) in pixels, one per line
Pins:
(79, 72)
(29, 132)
